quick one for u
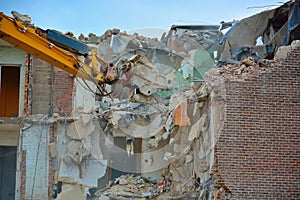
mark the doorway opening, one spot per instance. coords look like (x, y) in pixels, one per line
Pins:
(9, 91)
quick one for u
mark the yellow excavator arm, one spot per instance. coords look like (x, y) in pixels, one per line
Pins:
(26, 38)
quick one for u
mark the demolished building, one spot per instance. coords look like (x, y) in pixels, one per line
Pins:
(205, 132)
(261, 35)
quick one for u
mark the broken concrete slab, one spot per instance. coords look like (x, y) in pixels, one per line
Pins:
(92, 170)
(71, 192)
(194, 132)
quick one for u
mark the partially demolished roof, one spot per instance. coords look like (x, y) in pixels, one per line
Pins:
(274, 28)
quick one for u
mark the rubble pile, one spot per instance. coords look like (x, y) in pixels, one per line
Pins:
(244, 68)
(173, 121)
(207, 36)
(110, 32)
(130, 186)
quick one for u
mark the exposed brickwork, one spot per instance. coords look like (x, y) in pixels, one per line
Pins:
(28, 87)
(41, 89)
(41, 74)
(63, 92)
(258, 151)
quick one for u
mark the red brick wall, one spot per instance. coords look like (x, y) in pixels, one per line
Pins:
(27, 87)
(63, 92)
(258, 151)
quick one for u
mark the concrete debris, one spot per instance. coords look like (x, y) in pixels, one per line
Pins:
(76, 152)
(82, 158)
(129, 186)
(137, 125)
(245, 68)
(25, 19)
(72, 132)
(205, 35)
(194, 133)
(202, 93)
(71, 192)
(284, 51)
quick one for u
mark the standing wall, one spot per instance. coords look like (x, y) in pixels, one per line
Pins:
(258, 149)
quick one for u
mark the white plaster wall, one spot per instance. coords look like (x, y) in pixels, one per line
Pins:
(35, 143)
(82, 95)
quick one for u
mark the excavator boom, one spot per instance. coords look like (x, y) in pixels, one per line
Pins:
(26, 38)
(146, 77)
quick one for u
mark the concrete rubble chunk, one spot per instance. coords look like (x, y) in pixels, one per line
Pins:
(202, 120)
(84, 129)
(295, 44)
(188, 158)
(103, 197)
(202, 92)
(137, 125)
(72, 192)
(76, 152)
(129, 186)
(26, 19)
(194, 132)
(72, 132)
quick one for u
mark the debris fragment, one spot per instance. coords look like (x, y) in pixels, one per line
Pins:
(25, 19)
(71, 192)
(129, 186)
(180, 114)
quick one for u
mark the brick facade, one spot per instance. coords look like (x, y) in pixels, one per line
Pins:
(63, 89)
(63, 92)
(28, 87)
(258, 150)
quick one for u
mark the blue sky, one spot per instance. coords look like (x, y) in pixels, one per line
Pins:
(96, 16)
